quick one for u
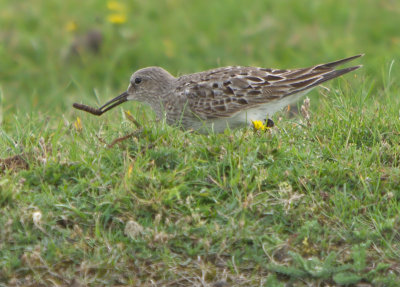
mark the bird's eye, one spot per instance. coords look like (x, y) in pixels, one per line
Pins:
(138, 80)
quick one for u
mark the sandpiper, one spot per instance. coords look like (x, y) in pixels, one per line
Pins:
(223, 97)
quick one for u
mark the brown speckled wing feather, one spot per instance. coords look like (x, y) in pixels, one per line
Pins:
(225, 91)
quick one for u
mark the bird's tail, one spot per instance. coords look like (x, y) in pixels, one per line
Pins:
(316, 75)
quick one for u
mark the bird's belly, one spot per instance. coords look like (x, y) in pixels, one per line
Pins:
(245, 117)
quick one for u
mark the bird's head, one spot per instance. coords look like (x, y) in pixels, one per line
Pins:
(146, 85)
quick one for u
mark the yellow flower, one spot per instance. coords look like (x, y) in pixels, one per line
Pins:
(78, 124)
(116, 18)
(131, 118)
(115, 6)
(129, 115)
(169, 48)
(130, 168)
(258, 125)
(71, 26)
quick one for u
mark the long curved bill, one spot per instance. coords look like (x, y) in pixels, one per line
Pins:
(114, 102)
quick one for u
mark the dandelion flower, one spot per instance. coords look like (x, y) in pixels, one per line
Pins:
(115, 6)
(71, 26)
(258, 125)
(116, 18)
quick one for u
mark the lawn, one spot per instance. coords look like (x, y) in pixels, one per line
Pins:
(307, 203)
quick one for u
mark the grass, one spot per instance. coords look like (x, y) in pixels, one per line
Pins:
(304, 204)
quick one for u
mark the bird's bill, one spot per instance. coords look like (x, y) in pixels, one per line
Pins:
(114, 102)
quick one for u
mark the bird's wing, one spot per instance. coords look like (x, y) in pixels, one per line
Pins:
(225, 91)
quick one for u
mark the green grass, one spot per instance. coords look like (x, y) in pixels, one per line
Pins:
(312, 204)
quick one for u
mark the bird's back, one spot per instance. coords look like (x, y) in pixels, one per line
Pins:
(240, 94)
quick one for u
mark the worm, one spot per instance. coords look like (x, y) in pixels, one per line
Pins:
(88, 109)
